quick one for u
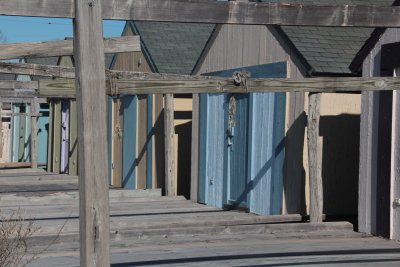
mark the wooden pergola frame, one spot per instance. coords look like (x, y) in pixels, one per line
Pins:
(91, 80)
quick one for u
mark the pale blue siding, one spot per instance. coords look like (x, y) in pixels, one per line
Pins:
(247, 171)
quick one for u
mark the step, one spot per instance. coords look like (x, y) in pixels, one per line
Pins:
(116, 195)
(235, 233)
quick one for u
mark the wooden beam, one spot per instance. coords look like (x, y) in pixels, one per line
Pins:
(232, 12)
(94, 224)
(395, 167)
(170, 176)
(194, 170)
(185, 84)
(12, 165)
(315, 158)
(34, 150)
(8, 113)
(37, 70)
(65, 48)
(28, 85)
(22, 100)
(69, 72)
(1, 128)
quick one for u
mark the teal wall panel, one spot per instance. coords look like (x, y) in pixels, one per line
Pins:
(129, 163)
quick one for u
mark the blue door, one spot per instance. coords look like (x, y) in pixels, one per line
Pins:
(242, 145)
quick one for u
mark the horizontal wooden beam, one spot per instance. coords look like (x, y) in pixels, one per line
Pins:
(232, 12)
(69, 72)
(64, 48)
(13, 114)
(12, 165)
(37, 70)
(28, 85)
(16, 100)
(194, 85)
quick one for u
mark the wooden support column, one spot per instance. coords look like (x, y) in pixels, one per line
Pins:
(194, 180)
(170, 177)
(1, 129)
(94, 225)
(315, 158)
(34, 153)
(395, 167)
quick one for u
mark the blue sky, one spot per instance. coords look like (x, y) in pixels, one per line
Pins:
(31, 29)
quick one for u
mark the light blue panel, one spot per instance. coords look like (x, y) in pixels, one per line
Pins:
(129, 161)
(212, 149)
(266, 150)
(249, 172)
(43, 132)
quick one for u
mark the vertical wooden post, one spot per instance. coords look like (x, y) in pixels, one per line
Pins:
(315, 158)
(34, 153)
(194, 180)
(1, 129)
(170, 177)
(395, 167)
(94, 225)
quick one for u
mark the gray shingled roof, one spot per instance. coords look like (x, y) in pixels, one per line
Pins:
(329, 49)
(174, 47)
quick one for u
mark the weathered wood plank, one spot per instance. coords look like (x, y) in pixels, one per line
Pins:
(170, 176)
(7, 113)
(28, 85)
(17, 165)
(37, 70)
(22, 100)
(94, 224)
(194, 175)
(34, 150)
(395, 167)
(73, 140)
(69, 72)
(315, 158)
(64, 48)
(232, 12)
(117, 141)
(56, 142)
(193, 84)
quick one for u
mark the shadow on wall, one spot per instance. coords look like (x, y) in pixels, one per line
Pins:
(340, 159)
(294, 179)
(184, 134)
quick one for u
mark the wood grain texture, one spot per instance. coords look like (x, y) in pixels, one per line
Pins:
(234, 12)
(56, 142)
(142, 139)
(194, 84)
(194, 176)
(94, 224)
(315, 158)
(170, 175)
(64, 48)
(117, 139)
(395, 167)
(73, 138)
(28, 85)
(50, 138)
(34, 147)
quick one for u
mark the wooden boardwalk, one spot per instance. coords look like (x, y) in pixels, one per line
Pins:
(150, 230)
